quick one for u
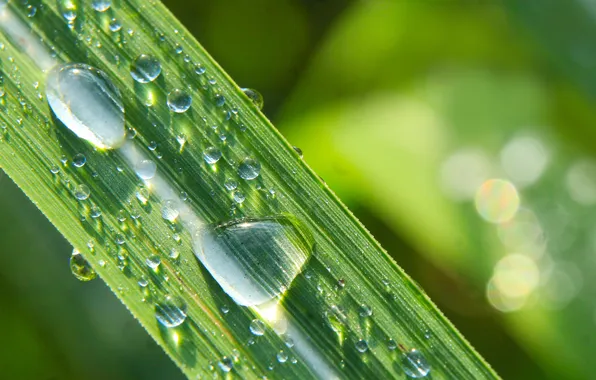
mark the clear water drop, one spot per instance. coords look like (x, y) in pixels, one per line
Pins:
(169, 210)
(212, 155)
(414, 364)
(391, 345)
(171, 312)
(282, 356)
(143, 282)
(82, 192)
(239, 197)
(179, 101)
(254, 260)
(226, 364)
(299, 151)
(101, 5)
(255, 97)
(153, 262)
(257, 327)
(145, 68)
(80, 267)
(84, 99)
(115, 25)
(249, 169)
(230, 184)
(68, 9)
(365, 311)
(79, 160)
(146, 169)
(361, 346)
(220, 100)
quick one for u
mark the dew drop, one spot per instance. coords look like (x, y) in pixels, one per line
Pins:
(414, 364)
(171, 312)
(101, 5)
(226, 364)
(299, 151)
(84, 99)
(230, 184)
(254, 260)
(220, 100)
(169, 211)
(257, 327)
(145, 68)
(361, 346)
(82, 192)
(145, 169)
(212, 155)
(79, 160)
(282, 356)
(115, 25)
(179, 101)
(80, 268)
(255, 97)
(391, 345)
(365, 311)
(153, 262)
(68, 9)
(249, 169)
(239, 197)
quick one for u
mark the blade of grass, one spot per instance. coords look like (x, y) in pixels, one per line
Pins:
(348, 268)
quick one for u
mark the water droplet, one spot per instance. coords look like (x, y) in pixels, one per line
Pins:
(169, 210)
(362, 346)
(365, 311)
(79, 160)
(95, 212)
(211, 155)
(249, 169)
(119, 239)
(226, 364)
(179, 101)
(230, 184)
(254, 260)
(145, 169)
(298, 150)
(282, 356)
(101, 5)
(257, 327)
(84, 99)
(143, 282)
(220, 100)
(80, 268)
(174, 254)
(171, 312)
(82, 192)
(31, 10)
(255, 97)
(153, 262)
(142, 195)
(239, 196)
(146, 68)
(68, 9)
(391, 344)
(115, 25)
(414, 364)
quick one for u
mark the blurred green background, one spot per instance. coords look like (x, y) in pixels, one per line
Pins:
(462, 133)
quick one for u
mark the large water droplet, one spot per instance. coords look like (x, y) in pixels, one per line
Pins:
(84, 99)
(361, 346)
(101, 5)
(249, 168)
(257, 327)
(171, 312)
(146, 169)
(414, 364)
(82, 192)
(179, 101)
(80, 268)
(254, 260)
(79, 160)
(255, 97)
(169, 210)
(145, 68)
(211, 155)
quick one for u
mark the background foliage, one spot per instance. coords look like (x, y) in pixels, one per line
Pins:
(380, 95)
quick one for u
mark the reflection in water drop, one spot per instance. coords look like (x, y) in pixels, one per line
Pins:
(414, 364)
(179, 101)
(80, 268)
(171, 312)
(497, 200)
(145, 68)
(255, 97)
(249, 169)
(254, 260)
(84, 99)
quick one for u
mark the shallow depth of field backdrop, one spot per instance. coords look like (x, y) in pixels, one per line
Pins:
(462, 133)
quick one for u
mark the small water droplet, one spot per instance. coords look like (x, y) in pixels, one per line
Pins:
(169, 211)
(220, 100)
(361, 346)
(82, 192)
(282, 356)
(254, 260)
(257, 327)
(200, 69)
(230, 184)
(365, 311)
(239, 197)
(80, 268)
(255, 97)
(115, 25)
(153, 262)
(174, 254)
(143, 282)
(171, 312)
(68, 9)
(145, 169)
(79, 160)
(212, 155)
(142, 195)
(101, 5)
(249, 169)
(146, 68)
(226, 364)
(391, 344)
(298, 150)
(84, 99)
(414, 364)
(55, 169)
(179, 101)
(31, 11)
